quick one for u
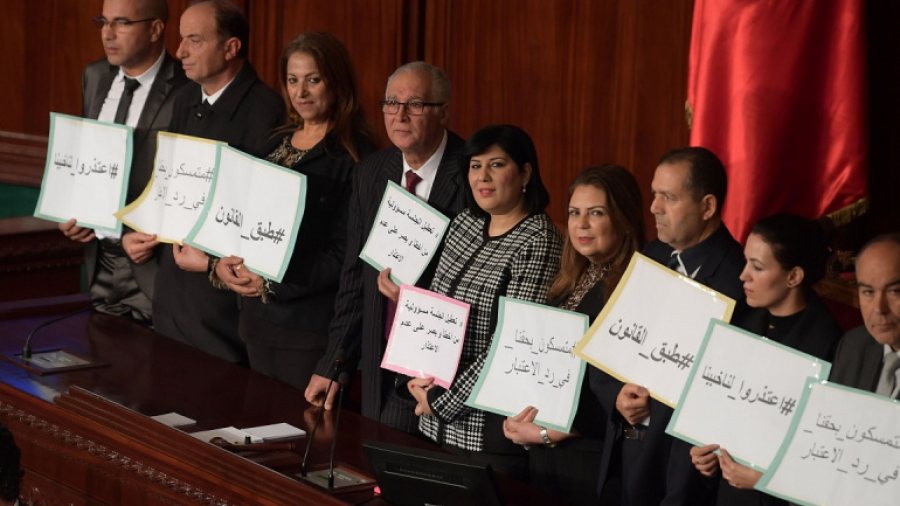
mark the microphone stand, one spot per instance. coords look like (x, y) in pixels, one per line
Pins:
(343, 380)
(338, 362)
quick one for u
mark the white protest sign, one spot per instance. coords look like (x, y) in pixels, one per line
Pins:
(843, 449)
(405, 235)
(650, 331)
(253, 211)
(171, 203)
(744, 381)
(427, 336)
(531, 363)
(86, 174)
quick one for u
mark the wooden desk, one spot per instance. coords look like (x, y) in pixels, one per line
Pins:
(86, 439)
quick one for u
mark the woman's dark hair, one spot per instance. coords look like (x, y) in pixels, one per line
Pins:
(347, 121)
(516, 143)
(626, 213)
(796, 242)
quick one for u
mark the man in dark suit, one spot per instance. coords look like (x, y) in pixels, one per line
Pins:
(689, 188)
(868, 357)
(132, 32)
(423, 159)
(225, 102)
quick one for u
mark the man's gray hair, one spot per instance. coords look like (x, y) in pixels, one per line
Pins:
(440, 83)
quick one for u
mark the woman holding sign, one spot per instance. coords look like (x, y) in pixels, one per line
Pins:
(605, 228)
(501, 244)
(285, 325)
(786, 256)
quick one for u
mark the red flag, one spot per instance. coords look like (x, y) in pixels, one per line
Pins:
(778, 92)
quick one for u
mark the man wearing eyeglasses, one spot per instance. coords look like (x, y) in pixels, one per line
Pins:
(134, 85)
(423, 159)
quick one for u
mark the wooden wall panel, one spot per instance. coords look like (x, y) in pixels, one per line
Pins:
(374, 32)
(592, 81)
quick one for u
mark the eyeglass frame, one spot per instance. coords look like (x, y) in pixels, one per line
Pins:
(116, 24)
(409, 111)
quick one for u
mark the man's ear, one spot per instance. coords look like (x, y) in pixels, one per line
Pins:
(157, 27)
(232, 48)
(709, 205)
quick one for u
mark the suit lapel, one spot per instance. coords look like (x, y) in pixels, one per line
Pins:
(100, 92)
(393, 168)
(158, 91)
(446, 182)
(872, 365)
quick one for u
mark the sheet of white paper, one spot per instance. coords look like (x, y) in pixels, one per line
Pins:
(729, 388)
(231, 434)
(87, 171)
(173, 200)
(651, 329)
(531, 363)
(405, 235)
(427, 335)
(174, 420)
(842, 450)
(275, 431)
(254, 212)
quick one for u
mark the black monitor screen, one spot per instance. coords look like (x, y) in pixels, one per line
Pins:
(412, 477)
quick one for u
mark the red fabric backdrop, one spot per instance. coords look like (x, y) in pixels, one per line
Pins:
(778, 91)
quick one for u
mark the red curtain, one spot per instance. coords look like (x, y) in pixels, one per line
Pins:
(778, 92)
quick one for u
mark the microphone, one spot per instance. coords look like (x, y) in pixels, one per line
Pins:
(339, 359)
(26, 349)
(343, 380)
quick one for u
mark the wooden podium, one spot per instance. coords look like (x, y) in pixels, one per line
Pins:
(87, 439)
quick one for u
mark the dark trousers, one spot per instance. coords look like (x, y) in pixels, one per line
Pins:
(114, 289)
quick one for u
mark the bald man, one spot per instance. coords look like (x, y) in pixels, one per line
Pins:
(868, 357)
(134, 85)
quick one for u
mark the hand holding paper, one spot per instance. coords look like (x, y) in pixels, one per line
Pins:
(418, 388)
(138, 246)
(633, 403)
(76, 233)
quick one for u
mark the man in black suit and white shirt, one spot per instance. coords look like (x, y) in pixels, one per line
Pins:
(689, 188)
(135, 85)
(423, 159)
(226, 101)
(868, 357)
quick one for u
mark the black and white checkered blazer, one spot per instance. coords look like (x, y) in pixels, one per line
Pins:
(478, 269)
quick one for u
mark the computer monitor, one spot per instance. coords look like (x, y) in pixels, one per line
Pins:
(413, 477)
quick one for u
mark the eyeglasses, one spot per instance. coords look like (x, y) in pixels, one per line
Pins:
(116, 24)
(413, 107)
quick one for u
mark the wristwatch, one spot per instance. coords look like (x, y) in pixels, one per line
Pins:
(549, 443)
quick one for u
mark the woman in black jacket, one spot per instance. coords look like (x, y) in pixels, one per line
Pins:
(285, 325)
(786, 256)
(605, 228)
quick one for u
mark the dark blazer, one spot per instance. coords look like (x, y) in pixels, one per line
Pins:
(156, 115)
(304, 301)
(185, 305)
(857, 362)
(658, 470)
(358, 324)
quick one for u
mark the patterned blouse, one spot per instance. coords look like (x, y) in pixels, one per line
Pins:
(478, 269)
(286, 154)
